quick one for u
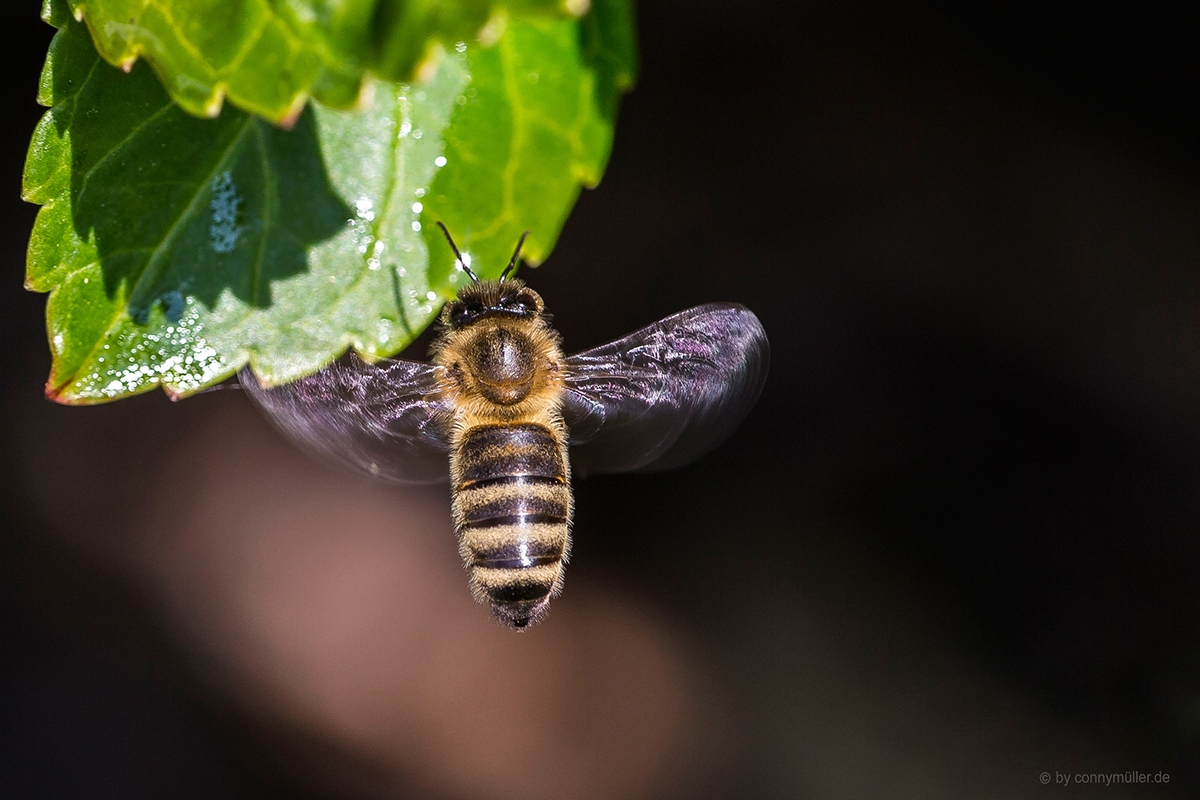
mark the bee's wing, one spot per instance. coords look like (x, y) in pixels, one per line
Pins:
(384, 420)
(662, 396)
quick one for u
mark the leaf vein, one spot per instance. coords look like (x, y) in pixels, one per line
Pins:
(268, 194)
(248, 45)
(87, 176)
(508, 175)
(184, 42)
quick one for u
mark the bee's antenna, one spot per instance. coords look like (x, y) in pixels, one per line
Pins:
(458, 255)
(513, 262)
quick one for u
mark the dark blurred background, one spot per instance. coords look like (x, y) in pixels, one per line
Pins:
(954, 546)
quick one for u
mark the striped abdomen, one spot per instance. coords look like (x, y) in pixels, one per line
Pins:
(512, 513)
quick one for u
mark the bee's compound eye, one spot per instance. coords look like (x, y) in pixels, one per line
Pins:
(529, 301)
(459, 313)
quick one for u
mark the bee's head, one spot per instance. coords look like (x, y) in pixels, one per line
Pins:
(489, 299)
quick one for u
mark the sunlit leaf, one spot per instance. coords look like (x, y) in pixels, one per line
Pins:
(270, 56)
(176, 249)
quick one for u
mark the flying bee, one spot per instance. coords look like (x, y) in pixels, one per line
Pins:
(516, 417)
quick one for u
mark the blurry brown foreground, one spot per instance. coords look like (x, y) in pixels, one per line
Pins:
(331, 616)
(335, 612)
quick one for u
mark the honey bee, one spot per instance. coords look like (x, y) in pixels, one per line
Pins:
(515, 417)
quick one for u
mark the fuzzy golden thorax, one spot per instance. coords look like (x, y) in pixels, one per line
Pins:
(500, 354)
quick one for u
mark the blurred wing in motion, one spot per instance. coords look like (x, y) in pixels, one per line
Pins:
(663, 396)
(384, 420)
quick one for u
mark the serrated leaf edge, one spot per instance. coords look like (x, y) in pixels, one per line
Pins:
(215, 101)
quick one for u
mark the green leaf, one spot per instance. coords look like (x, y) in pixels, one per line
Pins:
(270, 56)
(528, 122)
(176, 249)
